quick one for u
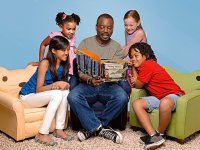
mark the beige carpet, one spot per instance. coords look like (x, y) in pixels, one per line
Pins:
(131, 142)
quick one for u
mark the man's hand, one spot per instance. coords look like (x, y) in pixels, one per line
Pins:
(96, 81)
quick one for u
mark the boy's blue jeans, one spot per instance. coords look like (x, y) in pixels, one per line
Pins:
(83, 96)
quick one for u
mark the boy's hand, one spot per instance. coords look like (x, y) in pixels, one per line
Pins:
(132, 79)
(130, 63)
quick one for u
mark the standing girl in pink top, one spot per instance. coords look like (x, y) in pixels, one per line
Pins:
(67, 25)
(134, 32)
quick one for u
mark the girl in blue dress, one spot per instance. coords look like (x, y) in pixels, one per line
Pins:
(49, 86)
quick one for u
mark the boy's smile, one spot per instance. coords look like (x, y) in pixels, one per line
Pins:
(137, 58)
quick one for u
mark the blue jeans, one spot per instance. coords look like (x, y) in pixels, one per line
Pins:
(83, 95)
(73, 81)
(125, 85)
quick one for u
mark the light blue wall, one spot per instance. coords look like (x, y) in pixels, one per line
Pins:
(172, 27)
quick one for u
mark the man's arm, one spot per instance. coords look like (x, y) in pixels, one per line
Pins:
(85, 77)
(90, 80)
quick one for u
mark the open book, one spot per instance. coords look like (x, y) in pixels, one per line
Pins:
(109, 70)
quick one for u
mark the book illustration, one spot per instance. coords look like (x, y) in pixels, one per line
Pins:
(109, 70)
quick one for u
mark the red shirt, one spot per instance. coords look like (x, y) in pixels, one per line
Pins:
(157, 81)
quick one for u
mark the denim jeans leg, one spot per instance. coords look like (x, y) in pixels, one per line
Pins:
(115, 99)
(79, 99)
(73, 81)
(126, 86)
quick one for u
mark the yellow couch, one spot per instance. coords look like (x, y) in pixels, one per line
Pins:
(16, 121)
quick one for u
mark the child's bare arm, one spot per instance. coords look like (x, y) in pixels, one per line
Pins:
(33, 63)
(43, 45)
(133, 79)
(137, 38)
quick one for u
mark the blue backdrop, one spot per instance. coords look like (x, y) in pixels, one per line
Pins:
(172, 27)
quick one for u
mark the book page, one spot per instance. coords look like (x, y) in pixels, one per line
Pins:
(109, 70)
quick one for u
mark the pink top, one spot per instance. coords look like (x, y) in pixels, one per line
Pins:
(128, 39)
(72, 55)
(130, 36)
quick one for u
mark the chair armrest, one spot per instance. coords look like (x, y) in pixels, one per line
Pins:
(192, 99)
(187, 110)
(11, 102)
(137, 93)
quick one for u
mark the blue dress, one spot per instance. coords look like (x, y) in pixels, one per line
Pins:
(30, 86)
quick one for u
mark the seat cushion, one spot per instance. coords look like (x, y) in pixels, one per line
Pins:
(34, 114)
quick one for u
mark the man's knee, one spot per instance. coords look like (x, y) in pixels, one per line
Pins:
(122, 97)
(72, 97)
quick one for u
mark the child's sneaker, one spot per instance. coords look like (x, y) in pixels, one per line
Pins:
(111, 134)
(145, 137)
(154, 141)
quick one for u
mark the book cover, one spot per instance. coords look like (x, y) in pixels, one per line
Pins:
(109, 70)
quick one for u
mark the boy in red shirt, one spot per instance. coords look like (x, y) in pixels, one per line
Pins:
(147, 73)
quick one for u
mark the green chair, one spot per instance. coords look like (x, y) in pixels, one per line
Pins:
(186, 119)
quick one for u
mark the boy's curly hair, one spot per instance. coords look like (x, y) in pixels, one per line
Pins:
(144, 49)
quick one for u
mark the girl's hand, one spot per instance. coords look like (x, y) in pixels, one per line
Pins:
(33, 63)
(126, 49)
(62, 85)
(75, 49)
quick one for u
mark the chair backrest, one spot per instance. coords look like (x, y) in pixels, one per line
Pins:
(187, 81)
(12, 80)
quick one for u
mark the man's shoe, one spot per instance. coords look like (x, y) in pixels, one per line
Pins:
(84, 135)
(154, 141)
(111, 134)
